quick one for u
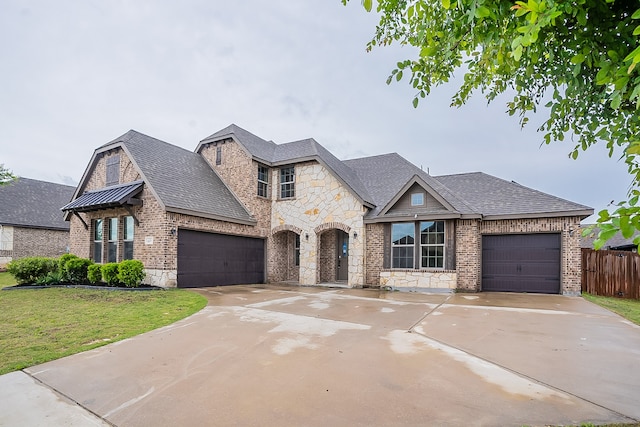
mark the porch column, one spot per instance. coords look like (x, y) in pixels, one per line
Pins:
(308, 258)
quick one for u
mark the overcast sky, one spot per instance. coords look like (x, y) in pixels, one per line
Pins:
(77, 74)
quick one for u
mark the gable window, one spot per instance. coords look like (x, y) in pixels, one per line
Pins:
(218, 155)
(113, 171)
(432, 244)
(97, 240)
(127, 237)
(417, 199)
(426, 252)
(263, 181)
(112, 243)
(402, 244)
(287, 182)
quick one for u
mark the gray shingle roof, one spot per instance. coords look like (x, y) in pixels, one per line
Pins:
(109, 197)
(273, 154)
(258, 147)
(182, 179)
(616, 242)
(32, 203)
(493, 196)
(385, 175)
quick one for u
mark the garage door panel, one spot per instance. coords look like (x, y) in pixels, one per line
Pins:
(521, 263)
(211, 259)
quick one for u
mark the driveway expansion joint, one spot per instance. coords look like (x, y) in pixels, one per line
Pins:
(69, 398)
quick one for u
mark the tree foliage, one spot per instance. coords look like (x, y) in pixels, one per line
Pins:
(5, 175)
(577, 58)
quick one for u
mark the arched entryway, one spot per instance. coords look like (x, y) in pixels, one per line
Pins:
(333, 253)
(284, 254)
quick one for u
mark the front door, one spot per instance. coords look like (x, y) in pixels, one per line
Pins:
(343, 256)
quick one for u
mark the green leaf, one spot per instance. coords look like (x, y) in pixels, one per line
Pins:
(517, 53)
(578, 59)
(446, 4)
(367, 5)
(626, 228)
(636, 14)
(415, 102)
(636, 31)
(482, 12)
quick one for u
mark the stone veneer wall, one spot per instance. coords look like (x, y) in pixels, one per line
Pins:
(571, 258)
(418, 280)
(374, 262)
(320, 199)
(28, 242)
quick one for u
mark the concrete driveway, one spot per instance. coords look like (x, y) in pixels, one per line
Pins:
(265, 355)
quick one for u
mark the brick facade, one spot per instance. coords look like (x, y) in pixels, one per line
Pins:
(29, 242)
(374, 256)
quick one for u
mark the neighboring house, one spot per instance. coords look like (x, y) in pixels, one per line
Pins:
(31, 223)
(616, 243)
(241, 209)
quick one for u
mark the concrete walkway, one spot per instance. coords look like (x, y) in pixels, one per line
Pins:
(261, 355)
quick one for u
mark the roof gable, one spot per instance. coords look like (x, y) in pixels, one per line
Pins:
(181, 180)
(32, 203)
(433, 203)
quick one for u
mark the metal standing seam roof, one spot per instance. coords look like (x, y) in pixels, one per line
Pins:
(32, 203)
(181, 179)
(113, 196)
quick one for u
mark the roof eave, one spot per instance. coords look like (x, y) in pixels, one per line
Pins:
(413, 217)
(580, 213)
(39, 227)
(211, 216)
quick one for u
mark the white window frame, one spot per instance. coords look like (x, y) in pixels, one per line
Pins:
(421, 203)
(398, 247)
(430, 236)
(287, 188)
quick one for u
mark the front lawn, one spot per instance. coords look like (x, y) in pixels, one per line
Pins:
(627, 308)
(39, 325)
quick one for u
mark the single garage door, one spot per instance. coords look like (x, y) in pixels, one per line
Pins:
(521, 263)
(211, 259)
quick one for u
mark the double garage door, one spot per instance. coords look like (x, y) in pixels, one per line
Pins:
(212, 259)
(521, 263)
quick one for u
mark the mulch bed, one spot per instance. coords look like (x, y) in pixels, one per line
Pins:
(102, 286)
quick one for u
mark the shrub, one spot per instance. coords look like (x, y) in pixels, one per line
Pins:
(131, 273)
(52, 278)
(62, 263)
(94, 273)
(110, 273)
(75, 270)
(32, 269)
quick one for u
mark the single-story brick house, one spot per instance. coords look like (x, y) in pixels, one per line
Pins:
(31, 223)
(240, 209)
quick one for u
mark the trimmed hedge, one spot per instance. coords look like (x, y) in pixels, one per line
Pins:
(32, 269)
(70, 268)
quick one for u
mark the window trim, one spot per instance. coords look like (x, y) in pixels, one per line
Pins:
(433, 245)
(126, 239)
(421, 199)
(262, 183)
(98, 224)
(112, 238)
(112, 171)
(417, 246)
(296, 250)
(412, 246)
(287, 187)
(218, 155)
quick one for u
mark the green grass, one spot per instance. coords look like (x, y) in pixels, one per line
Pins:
(39, 325)
(627, 308)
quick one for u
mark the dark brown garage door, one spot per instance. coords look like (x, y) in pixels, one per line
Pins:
(521, 263)
(210, 259)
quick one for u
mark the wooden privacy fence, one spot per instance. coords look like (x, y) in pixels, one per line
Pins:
(611, 273)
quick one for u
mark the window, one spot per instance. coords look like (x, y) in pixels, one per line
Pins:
(112, 244)
(417, 199)
(6, 238)
(297, 250)
(127, 237)
(97, 240)
(287, 182)
(432, 244)
(113, 171)
(402, 244)
(218, 155)
(263, 181)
